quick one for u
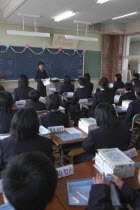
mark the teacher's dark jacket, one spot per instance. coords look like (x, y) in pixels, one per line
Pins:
(5, 120)
(107, 137)
(100, 197)
(40, 87)
(9, 148)
(21, 93)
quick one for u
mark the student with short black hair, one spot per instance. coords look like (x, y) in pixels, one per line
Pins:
(67, 86)
(118, 82)
(2, 88)
(88, 83)
(35, 103)
(109, 134)
(24, 137)
(54, 117)
(6, 112)
(29, 181)
(104, 94)
(133, 108)
(21, 93)
(128, 94)
(136, 76)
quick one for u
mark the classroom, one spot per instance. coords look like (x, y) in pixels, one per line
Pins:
(69, 104)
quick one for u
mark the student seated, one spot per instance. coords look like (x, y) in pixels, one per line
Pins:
(133, 108)
(54, 117)
(104, 94)
(24, 137)
(118, 82)
(2, 88)
(6, 112)
(128, 94)
(136, 76)
(67, 86)
(110, 134)
(88, 83)
(21, 93)
(99, 197)
(29, 181)
(35, 103)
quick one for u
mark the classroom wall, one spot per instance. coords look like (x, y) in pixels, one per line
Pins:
(38, 42)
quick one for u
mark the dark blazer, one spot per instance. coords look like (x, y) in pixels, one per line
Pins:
(9, 148)
(100, 198)
(54, 118)
(134, 108)
(37, 105)
(5, 120)
(117, 85)
(81, 93)
(117, 136)
(127, 96)
(90, 86)
(66, 88)
(40, 87)
(21, 93)
(103, 96)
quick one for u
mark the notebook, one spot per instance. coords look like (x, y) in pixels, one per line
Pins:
(6, 207)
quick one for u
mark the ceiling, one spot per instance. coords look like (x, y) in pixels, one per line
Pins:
(87, 10)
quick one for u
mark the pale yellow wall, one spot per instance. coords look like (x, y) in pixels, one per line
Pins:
(38, 42)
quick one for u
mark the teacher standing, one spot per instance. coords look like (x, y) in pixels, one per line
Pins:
(40, 76)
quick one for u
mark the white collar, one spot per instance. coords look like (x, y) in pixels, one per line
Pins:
(81, 86)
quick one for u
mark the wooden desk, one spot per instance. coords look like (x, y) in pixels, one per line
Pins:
(54, 91)
(120, 109)
(85, 104)
(86, 170)
(66, 96)
(138, 122)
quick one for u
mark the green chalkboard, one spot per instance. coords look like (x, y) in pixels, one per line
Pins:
(93, 63)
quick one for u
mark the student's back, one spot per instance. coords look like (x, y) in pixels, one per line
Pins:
(67, 86)
(127, 96)
(88, 84)
(6, 112)
(81, 93)
(21, 93)
(118, 82)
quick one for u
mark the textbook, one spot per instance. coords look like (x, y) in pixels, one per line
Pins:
(78, 192)
(114, 161)
(6, 207)
(126, 103)
(87, 124)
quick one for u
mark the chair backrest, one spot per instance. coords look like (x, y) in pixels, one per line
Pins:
(135, 119)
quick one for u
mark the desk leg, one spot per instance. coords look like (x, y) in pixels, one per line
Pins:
(62, 156)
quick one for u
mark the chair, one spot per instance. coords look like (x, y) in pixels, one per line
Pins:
(135, 119)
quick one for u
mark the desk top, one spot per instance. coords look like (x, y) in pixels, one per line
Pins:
(66, 96)
(86, 170)
(89, 104)
(120, 109)
(59, 142)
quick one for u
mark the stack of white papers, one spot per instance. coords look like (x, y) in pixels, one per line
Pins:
(87, 124)
(46, 82)
(126, 103)
(114, 161)
(43, 100)
(3, 136)
(43, 130)
(72, 130)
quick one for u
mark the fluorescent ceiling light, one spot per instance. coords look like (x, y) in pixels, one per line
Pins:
(82, 38)
(64, 15)
(123, 16)
(102, 1)
(27, 33)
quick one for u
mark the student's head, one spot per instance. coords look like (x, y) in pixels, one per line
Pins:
(81, 81)
(6, 101)
(25, 124)
(137, 90)
(29, 181)
(103, 83)
(127, 87)
(118, 77)
(34, 95)
(2, 88)
(136, 76)
(23, 81)
(41, 65)
(105, 115)
(53, 102)
(87, 77)
(67, 79)
(135, 81)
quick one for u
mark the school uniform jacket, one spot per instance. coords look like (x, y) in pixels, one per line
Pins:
(36, 105)
(90, 86)
(100, 198)
(102, 96)
(54, 118)
(127, 96)
(134, 108)
(117, 85)
(66, 88)
(9, 148)
(5, 120)
(40, 87)
(21, 93)
(116, 136)
(81, 93)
